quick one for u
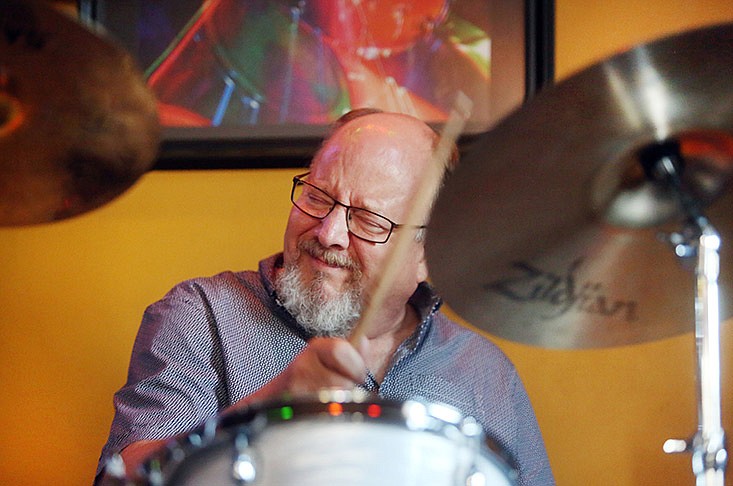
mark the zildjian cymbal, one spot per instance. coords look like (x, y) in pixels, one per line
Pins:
(78, 125)
(554, 232)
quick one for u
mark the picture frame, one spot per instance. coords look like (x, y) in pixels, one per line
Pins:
(256, 83)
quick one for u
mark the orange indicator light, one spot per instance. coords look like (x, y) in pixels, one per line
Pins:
(335, 409)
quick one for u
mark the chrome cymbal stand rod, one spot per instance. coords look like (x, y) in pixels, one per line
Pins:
(709, 456)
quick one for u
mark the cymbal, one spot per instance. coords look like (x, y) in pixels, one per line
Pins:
(552, 232)
(78, 126)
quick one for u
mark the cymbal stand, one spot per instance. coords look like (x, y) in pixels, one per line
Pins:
(700, 239)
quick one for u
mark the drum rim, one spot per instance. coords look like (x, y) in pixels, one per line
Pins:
(246, 424)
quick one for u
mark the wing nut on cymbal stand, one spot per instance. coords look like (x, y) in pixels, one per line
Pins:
(663, 163)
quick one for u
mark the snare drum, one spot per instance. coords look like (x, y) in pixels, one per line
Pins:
(336, 439)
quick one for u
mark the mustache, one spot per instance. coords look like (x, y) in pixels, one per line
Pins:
(332, 257)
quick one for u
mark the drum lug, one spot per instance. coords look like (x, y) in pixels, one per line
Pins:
(244, 469)
(476, 478)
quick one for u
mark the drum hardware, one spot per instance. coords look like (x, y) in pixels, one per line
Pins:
(699, 239)
(77, 123)
(244, 469)
(336, 437)
(562, 246)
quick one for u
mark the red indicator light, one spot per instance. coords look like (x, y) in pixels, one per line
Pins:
(374, 410)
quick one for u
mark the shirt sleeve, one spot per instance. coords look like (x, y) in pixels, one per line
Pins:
(529, 453)
(175, 380)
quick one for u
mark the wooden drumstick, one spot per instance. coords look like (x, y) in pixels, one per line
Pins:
(427, 188)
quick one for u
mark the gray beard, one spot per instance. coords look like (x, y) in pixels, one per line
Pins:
(335, 316)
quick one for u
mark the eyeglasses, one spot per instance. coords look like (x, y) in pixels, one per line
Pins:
(362, 223)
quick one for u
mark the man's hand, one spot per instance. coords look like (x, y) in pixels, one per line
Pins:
(324, 363)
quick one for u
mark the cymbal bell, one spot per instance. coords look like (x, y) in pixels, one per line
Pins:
(555, 232)
(78, 125)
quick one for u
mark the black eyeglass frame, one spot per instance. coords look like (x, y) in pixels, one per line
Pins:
(298, 179)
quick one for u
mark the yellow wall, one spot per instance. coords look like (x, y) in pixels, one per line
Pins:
(71, 296)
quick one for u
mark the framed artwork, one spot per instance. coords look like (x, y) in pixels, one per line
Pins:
(256, 83)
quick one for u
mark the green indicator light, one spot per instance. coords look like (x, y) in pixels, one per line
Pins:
(286, 413)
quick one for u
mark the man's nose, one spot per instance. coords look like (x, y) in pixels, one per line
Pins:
(333, 230)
